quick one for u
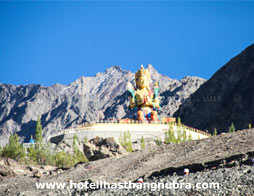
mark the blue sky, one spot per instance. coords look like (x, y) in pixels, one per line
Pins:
(57, 42)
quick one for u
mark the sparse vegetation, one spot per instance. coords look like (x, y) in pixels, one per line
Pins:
(31, 154)
(41, 154)
(170, 136)
(85, 140)
(231, 128)
(181, 136)
(13, 149)
(38, 135)
(67, 160)
(158, 141)
(77, 155)
(215, 132)
(249, 125)
(64, 159)
(142, 143)
(179, 124)
(184, 135)
(125, 141)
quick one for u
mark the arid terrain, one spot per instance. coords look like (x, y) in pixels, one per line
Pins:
(225, 159)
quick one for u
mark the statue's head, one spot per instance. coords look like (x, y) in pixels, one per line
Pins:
(142, 78)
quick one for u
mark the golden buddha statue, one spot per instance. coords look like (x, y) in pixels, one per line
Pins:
(144, 96)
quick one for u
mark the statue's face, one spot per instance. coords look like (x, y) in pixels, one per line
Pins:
(142, 82)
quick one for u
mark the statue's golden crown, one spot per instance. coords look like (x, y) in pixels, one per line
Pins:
(142, 71)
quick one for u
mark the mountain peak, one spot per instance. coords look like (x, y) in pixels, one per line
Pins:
(114, 68)
(151, 69)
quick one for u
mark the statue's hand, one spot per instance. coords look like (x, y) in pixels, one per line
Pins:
(132, 102)
(149, 101)
(152, 102)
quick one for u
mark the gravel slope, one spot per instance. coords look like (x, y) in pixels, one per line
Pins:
(214, 159)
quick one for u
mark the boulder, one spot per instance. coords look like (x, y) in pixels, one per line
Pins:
(99, 148)
(37, 174)
(5, 172)
(10, 168)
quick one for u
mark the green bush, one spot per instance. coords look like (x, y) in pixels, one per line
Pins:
(158, 141)
(142, 143)
(179, 124)
(215, 132)
(231, 128)
(38, 135)
(67, 160)
(13, 149)
(184, 136)
(180, 137)
(31, 154)
(170, 136)
(77, 156)
(125, 141)
(85, 140)
(63, 159)
(1, 149)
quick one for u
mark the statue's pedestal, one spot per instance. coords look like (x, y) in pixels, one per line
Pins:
(137, 130)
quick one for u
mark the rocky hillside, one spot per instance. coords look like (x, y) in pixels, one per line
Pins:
(226, 159)
(103, 96)
(225, 98)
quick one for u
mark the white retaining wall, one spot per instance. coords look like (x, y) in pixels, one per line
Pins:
(114, 130)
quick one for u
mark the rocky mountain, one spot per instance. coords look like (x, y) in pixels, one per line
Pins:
(87, 99)
(225, 98)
